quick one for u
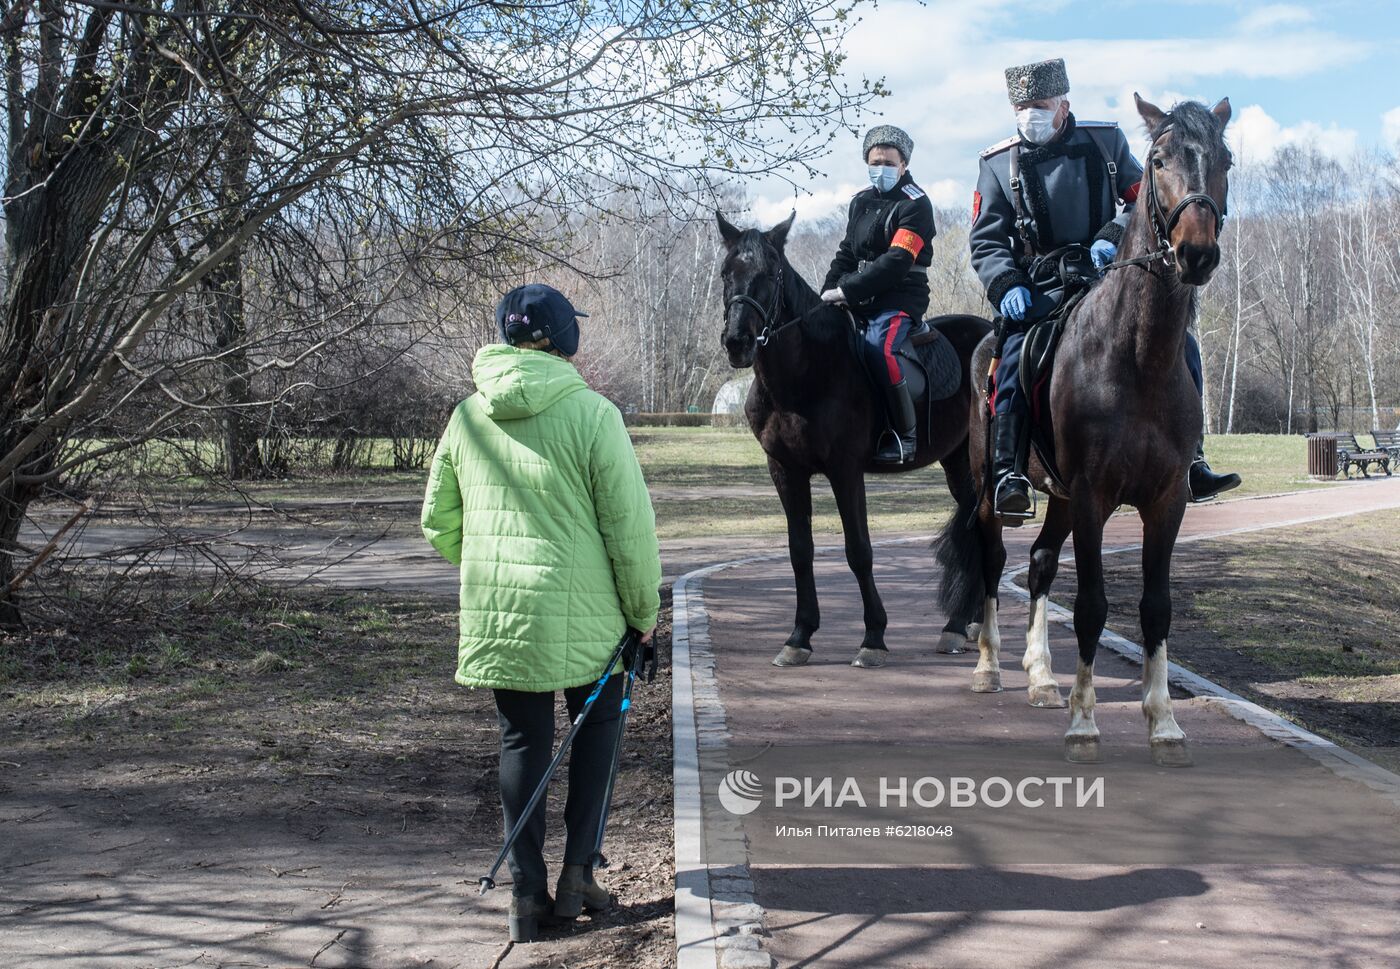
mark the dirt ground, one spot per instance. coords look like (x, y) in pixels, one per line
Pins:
(1302, 621)
(287, 777)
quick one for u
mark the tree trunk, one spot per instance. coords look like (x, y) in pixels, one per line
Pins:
(11, 516)
(242, 459)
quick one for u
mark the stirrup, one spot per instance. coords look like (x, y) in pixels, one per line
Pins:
(906, 454)
(1222, 482)
(1002, 482)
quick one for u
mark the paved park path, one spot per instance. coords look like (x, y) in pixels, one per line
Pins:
(1165, 904)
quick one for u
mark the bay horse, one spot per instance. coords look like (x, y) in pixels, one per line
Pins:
(1125, 418)
(813, 410)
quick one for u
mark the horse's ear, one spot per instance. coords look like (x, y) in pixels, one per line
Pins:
(1152, 115)
(728, 230)
(1222, 112)
(779, 233)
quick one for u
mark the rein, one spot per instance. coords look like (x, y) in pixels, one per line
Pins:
(1163, 223)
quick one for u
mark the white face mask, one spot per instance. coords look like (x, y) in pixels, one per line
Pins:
(1037, 125)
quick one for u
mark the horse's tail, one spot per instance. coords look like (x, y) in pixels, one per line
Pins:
(959, 552)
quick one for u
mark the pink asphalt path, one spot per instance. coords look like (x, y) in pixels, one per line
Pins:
(998, 915)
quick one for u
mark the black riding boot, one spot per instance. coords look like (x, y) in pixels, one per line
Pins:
(898, 446)
(1205, 484)
(1013, 490)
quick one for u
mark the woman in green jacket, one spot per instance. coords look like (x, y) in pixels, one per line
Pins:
(535, 493)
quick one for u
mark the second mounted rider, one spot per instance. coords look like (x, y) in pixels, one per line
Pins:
(881, 272)
(1050, 200)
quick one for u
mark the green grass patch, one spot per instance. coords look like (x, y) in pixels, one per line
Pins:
(711, 482)
(1269, 463)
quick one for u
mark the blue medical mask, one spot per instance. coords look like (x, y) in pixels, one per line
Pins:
(883, 177)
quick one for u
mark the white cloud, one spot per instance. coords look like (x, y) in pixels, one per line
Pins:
(768, 211)
(1254, 136)
(1275, 16)
(1390, 128)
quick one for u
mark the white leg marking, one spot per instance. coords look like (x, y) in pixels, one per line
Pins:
(1081, 704)
(988, 640)
(1036, 662)
(986, 677)
(1157, 699)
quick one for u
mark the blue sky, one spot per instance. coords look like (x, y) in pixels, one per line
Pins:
(1325, 72)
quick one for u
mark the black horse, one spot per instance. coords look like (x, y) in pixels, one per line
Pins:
(1125, 420)
(814, 411)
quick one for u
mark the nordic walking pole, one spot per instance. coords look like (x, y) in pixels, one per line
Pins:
(597, 859)
(488, 881)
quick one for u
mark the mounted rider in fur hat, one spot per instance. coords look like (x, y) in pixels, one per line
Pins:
(1059, 182)
(881, 271)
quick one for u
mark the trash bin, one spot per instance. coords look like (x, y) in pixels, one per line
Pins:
(1322, 455)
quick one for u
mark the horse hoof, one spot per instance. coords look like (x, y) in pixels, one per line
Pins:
(1082, 750)
(986, 681)
(792, 656)
(1046, 697)
(951, 642)
(870, 659)
(1171, 753)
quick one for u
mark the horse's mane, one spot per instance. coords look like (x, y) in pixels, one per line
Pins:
(1194, 121)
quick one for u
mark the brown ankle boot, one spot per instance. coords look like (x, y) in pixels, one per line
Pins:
(577, 891)
(527, 913)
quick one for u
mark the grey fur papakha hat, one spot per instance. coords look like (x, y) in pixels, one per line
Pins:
(1031, 82)
(888, 134)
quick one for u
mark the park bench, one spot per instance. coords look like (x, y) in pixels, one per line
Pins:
(1350, 455)
(1388, 441)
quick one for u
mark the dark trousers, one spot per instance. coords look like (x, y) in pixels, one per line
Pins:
(1008, 397)
(1193, 363)
(527, 746)
(884, 335)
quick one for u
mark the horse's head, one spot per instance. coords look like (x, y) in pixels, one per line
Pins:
(1187, 182)
(753, 285)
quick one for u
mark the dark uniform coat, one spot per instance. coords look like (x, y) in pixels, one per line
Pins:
(882, 263)
(1066, 196)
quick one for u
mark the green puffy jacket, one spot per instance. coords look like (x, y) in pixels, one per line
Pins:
(536, 494)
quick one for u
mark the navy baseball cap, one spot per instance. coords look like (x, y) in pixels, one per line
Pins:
(536, 311)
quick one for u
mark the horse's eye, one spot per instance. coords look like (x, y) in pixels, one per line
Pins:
(1157, 164)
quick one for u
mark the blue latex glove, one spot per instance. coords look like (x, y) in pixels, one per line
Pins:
(1015, 303)
(1102, 252)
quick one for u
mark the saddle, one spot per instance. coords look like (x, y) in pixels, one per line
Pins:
(933, 366)
(1075, 272)
(930, 364)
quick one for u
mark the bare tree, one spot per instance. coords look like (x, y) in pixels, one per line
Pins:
(149, 144)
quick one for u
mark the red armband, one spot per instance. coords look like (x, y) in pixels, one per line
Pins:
(908, 241)
(1130, 193)
(976, 205)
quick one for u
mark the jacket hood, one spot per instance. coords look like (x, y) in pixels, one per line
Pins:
(514, 383)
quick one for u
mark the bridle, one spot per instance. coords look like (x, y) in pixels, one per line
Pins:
(770, 329)
(1163, 222)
